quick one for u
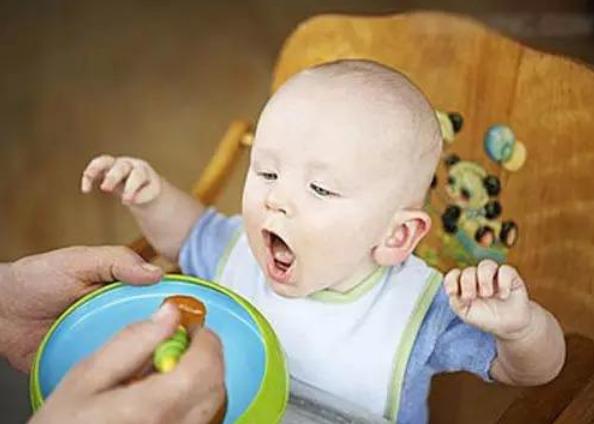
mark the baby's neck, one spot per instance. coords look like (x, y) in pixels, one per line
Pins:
(355, 279)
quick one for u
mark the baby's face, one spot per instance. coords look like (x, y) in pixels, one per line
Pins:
(320, 191)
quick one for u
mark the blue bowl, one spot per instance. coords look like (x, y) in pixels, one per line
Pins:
(250, 353)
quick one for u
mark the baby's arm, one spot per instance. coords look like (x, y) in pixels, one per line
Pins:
(164, 213)
(530, 343)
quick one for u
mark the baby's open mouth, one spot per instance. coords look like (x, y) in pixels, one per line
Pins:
(281, 256)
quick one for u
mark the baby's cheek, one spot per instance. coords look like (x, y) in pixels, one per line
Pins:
(251, 207)
(253, 192)
(252, 226)
(328, 252)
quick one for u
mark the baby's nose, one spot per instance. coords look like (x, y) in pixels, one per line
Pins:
(276, 202)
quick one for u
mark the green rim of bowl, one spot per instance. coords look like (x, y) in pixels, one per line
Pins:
(269, 403)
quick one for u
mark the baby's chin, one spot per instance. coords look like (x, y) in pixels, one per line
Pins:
(293, 290)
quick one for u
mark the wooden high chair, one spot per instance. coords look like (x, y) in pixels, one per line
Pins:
(548, 100)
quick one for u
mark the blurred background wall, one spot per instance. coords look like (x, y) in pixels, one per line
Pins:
(161, 81)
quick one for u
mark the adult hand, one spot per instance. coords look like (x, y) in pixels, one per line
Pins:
(93, 392)
(36, 289)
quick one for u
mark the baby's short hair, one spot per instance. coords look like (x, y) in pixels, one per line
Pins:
(364, 70)
(384, 84)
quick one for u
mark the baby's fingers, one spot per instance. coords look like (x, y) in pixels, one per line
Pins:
(116, 175)
(95, 169)
(461, 285)
(453, 288)
(136, 180)
(148, 192)
(487, 269)
(508, 280)
(451, 283)
(468, 284)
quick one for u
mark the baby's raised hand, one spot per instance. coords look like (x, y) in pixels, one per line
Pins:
(490, 297)
(134, 180)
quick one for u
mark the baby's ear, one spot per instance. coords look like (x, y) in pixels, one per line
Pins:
(407, 229)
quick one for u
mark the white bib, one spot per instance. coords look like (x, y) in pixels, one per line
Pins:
(356, 349)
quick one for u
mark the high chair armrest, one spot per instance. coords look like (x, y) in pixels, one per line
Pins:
(564, 399)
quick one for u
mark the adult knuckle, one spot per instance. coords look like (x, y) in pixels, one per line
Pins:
(135, 331)
(76, 251)
(184, 383)
(122, 252)
(213, 341)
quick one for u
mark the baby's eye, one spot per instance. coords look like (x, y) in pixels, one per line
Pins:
(320, 191)
(268, 176)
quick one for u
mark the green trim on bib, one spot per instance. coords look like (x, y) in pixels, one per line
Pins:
(406, 344)
(331, 296)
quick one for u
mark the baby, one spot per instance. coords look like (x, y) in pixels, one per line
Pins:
(343, 156)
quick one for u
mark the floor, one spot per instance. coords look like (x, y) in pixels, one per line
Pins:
(161, 81)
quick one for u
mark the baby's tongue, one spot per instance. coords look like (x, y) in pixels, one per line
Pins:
(281, 251)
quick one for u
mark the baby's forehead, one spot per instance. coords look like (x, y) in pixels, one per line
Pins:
(333, 118)
(370, 99)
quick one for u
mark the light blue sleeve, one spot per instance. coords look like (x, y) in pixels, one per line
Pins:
(459, 346)
(444, 344)
(206, 243)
